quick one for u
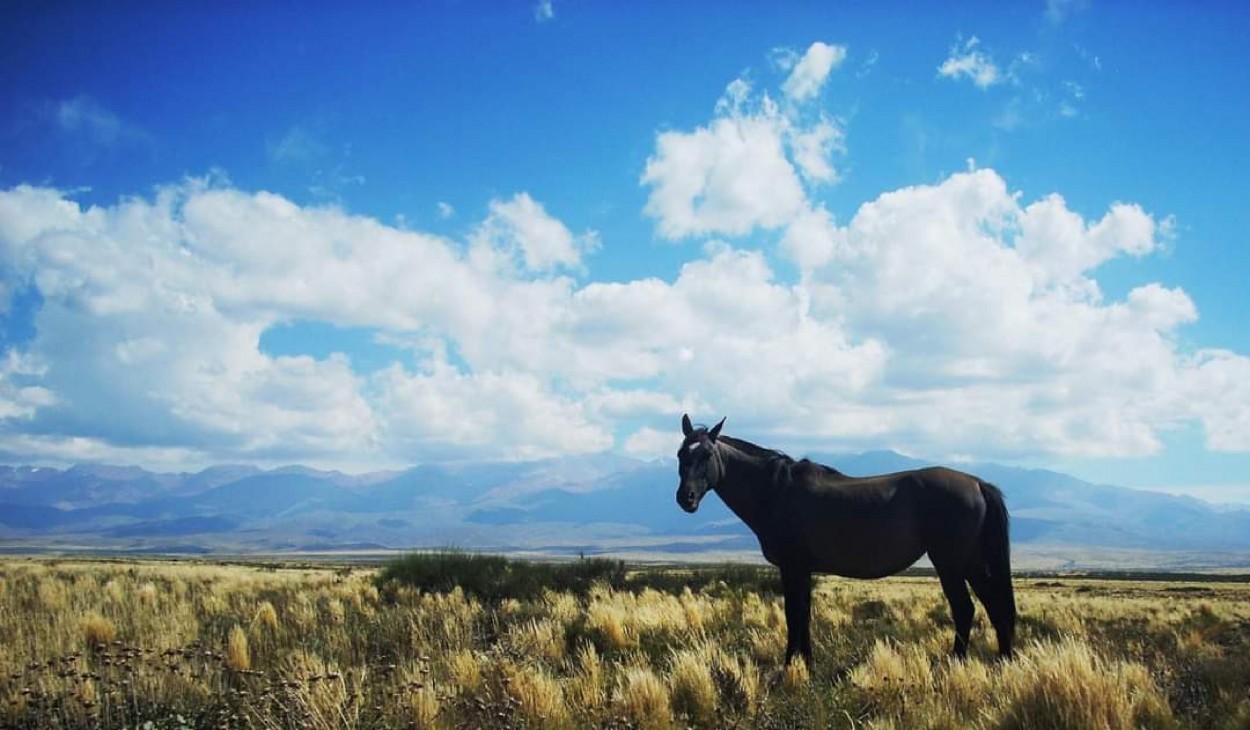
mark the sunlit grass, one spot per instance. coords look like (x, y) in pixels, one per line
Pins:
(119, 644)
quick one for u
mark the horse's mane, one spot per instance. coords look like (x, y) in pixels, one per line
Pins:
(755, 450)
(783, 468)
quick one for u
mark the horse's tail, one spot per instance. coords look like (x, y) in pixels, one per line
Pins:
(995, 542)
(996, 556)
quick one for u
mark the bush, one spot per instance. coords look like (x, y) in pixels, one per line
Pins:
(493, 577)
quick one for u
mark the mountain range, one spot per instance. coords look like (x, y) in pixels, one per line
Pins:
(584, 504)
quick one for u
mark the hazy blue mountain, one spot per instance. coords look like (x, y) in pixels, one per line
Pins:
(577, 503)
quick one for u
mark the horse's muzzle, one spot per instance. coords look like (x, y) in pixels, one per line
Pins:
(688, 501)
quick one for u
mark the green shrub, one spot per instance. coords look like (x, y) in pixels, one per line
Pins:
(494, 577)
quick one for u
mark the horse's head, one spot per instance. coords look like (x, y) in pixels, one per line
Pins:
(698, 464)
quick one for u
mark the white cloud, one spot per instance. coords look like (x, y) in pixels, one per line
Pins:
(650, 443)
(966, 60)
(155, 309)
(1060, 246)
(1218, 387)
(522, 224)
(445, 210)
(444, 413)
(809, 73)
(729, 177)
(745, 169)
(813, 147)
(36, 449)
(544, 11)
(997, 331)
(947, 318)
(18, 401)
(812, 239)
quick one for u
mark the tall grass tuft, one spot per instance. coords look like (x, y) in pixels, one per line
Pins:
(424, 708)
(693, 689)
(586, 687)
(266, 616)
(464, 672)
(1067, 686)
(538, 638)
(98, 630)
(238, 655)
(538, 695)
(643, 699)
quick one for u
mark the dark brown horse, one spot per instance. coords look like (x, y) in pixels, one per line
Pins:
(811, 518)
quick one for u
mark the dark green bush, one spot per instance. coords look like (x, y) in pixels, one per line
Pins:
(494, 577)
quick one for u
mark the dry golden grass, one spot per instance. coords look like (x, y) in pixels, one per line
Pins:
(643, 699)
(116, 644)
(538, 695)
(98, 630)
(1066, 686)
(266, 616)
(238, 656)
(692, 687)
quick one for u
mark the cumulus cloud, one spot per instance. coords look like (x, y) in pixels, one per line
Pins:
(968, 61)
(998, 331)
(523, 225)
(17, 400)
(812, 238)
(745, 170)
(946, 318)
(812, 149)
(649, 443)
(1218, 386)
(810, 72)
(729, 177)
(154, 308)
(444, 413)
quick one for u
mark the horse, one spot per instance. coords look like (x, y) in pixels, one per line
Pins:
(810, 518)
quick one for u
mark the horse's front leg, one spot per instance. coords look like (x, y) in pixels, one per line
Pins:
(797, 583)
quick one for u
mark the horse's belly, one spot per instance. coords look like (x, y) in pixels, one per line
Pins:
(865, 550)
(858, 565)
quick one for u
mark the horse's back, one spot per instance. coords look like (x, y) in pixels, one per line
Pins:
(874, 526)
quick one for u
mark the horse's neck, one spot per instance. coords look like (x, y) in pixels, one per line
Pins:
(744, 484)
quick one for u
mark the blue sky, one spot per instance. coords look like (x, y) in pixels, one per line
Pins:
(361, 238)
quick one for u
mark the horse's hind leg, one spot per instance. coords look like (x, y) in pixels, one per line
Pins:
(962, 608)
(996, 595)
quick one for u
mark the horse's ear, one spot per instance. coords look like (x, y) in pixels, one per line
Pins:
(715, 430)
(686, 428)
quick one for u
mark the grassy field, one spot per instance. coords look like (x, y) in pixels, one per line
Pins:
(179, 644)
